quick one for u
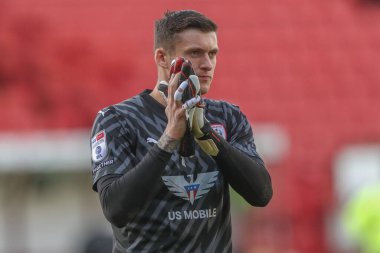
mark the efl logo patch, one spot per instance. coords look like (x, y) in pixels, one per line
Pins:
(219, 129)
(99, 146)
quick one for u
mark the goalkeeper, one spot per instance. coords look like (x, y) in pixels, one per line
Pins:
(163, 160)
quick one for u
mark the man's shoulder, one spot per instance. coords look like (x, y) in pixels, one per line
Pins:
(112, 112)
(122, 106)
(222, 104)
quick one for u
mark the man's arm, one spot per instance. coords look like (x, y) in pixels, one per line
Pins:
(247, 176)
(245, 173)
(122, 196)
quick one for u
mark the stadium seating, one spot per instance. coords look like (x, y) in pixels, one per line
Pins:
(309, 66)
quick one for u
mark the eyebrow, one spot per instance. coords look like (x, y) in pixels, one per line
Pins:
(214, 50)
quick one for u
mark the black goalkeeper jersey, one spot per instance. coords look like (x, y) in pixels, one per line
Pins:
(191, 211)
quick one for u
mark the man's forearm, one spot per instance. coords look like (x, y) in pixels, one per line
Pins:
(122, 196)
(248, 177)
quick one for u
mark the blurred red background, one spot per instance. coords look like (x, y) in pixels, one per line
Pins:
(309, 66)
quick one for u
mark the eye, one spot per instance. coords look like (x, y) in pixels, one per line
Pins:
(195, 53)
(212, 54)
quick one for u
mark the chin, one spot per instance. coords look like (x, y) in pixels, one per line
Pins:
(204, 90)
(205, 87)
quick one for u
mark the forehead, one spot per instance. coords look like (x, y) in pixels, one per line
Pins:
(193, 38)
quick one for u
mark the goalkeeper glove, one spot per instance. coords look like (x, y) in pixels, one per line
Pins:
(205, 136)
(187, 93)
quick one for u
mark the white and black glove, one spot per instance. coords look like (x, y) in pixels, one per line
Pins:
(204, 135)
(186, 93)
(200, 127)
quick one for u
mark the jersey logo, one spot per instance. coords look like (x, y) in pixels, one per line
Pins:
(103, 111)
(219, 129)
(99, 146)
(191, 187)
(151, 140)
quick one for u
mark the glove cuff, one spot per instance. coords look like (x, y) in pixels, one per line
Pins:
(210, 142)
(208, 146)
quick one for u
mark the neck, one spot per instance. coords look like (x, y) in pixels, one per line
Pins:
(156, 94)
(162, 74)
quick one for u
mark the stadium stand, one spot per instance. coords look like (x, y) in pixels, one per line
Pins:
(309, 66)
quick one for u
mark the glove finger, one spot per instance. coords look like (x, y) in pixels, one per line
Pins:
(194, 80)
(191, 102)
(198, 121)
(186, 71)
(176, 65)
(190, 116)
(172, 87)
(179, 92)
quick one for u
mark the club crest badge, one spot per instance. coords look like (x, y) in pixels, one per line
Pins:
(219, 129)
(99, 146)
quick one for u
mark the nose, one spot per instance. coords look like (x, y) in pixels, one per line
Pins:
(206, 63)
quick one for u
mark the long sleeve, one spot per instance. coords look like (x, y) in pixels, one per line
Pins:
(247, 176)
(122, 196)
(238, 158)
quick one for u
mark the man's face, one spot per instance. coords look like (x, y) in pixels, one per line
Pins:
(200, 49)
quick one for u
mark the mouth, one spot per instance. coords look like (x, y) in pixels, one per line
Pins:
(204, 78)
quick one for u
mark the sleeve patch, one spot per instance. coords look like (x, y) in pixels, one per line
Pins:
(99, 146)
(219, 129)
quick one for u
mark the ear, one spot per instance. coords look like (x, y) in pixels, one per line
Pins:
(161, 57)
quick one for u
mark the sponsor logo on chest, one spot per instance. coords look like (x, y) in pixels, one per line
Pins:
(190, 188)
(192, 214)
